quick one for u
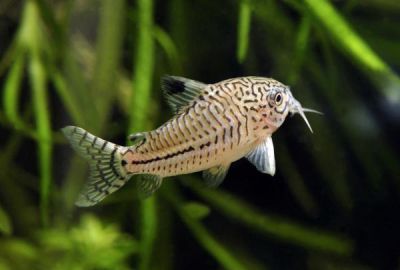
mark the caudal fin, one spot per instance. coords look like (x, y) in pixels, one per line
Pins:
(106, 172)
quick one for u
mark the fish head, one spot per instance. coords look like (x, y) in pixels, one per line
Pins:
(278, 101)
(281, 103)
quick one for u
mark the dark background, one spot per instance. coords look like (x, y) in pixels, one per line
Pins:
(333, 203)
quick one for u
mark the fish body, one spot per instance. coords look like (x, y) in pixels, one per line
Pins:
(213, 126)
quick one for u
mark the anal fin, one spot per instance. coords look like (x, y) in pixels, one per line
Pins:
(214, 176)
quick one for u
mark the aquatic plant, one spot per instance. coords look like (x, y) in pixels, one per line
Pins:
(333, 203)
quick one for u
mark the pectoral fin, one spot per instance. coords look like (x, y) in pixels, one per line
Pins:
(263, 157)
(148, 184)
(214, 176)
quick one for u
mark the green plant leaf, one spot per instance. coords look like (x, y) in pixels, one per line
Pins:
(243, 30)
(282, 229)
(196, 210)
(360, 52)
(221, 253)
(139, 121)
(5, 223)
(38, 79)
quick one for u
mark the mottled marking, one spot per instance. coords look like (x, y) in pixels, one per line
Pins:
(215, 124)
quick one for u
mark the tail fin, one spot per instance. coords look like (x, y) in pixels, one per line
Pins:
(106, 172)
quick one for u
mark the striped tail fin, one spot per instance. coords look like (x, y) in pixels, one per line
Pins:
(106, 172)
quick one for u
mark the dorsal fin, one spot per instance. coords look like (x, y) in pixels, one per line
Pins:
(180, 91)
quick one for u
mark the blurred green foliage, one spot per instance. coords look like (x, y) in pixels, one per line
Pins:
(89, 245)
(97, 64)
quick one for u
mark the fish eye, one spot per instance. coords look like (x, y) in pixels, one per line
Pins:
(278, 99)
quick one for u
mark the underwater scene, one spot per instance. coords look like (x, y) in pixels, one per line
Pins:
(232, 134)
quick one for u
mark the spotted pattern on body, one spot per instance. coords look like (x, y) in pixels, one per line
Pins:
(213, 126)
(224, 122)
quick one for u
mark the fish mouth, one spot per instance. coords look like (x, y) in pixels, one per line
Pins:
(297, 108)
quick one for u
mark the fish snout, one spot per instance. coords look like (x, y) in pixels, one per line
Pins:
(295, 107)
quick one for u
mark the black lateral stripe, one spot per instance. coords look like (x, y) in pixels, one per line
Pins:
(205, 145)
(136, 162)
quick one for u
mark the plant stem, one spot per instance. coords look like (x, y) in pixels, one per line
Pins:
(243, 30)
(169, 47)
(143, 69)
(139, 119)
(67, 98)
(109, 42)
(12, 94)
(209, 243)
(38, 82)
(273, 226)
